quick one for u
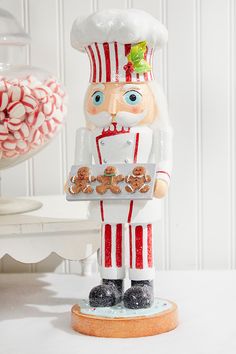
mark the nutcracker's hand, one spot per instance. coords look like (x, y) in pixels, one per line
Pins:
(160, 189)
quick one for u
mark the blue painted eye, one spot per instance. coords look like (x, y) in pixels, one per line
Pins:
(97, 98)
(132, 97)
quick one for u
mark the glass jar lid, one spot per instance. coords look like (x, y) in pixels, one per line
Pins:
(11, 32)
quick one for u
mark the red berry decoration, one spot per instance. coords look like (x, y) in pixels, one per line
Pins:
(129, 67)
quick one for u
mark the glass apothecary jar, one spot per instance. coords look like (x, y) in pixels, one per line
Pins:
(32, 101)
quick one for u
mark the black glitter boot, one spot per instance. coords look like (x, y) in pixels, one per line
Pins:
(140, 295)
(109, 293)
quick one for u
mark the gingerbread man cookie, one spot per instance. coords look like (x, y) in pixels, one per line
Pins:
(109, 181)
(81, 182)
(137, 181)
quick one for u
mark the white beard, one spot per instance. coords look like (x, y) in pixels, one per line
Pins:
(123, 119)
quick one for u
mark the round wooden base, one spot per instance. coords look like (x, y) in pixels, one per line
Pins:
(124, 327)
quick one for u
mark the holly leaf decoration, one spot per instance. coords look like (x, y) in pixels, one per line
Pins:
(136, 54)
(142, 67)
(136, 57)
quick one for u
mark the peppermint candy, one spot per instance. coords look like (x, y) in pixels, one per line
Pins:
(30, 103)
(16, 93)
(42, 92)
(9, 144)
(31, 112)
(22, 146)
(34, 136)
(57, 116)
(14, 124)
(48, 108)
(36, 119)
(3, 132)
(23, 132)
(16, 109)
(2, 116)
(3, 100)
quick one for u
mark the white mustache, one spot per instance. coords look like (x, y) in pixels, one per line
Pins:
(125, 119)
(100, 120)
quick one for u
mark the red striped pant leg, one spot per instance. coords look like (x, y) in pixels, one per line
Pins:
(141, 259)
(112, 265)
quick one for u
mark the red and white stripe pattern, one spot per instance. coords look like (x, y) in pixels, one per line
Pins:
(107, 61)
(141, 266)
(112, 264)
(112, 252)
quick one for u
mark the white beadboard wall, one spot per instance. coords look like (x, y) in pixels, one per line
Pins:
(197, 70)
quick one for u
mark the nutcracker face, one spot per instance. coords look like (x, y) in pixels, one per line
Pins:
(126, 104)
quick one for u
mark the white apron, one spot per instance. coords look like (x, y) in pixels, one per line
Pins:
(131, 145)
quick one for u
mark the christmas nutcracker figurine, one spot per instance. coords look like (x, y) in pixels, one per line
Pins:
(127, 124)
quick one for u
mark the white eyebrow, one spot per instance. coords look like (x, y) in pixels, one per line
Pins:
(130, 87)
(99, 86)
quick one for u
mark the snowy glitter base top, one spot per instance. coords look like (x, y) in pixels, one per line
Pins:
(119, 310)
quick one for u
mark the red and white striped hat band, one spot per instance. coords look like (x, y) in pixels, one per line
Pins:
(108, 63)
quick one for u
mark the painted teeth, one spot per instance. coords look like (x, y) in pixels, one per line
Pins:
(118, 127)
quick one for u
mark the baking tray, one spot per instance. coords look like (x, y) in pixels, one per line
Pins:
(122, 169)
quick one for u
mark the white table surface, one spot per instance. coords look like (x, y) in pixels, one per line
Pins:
(35, 315)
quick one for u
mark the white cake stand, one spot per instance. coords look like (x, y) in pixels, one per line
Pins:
(9, 206)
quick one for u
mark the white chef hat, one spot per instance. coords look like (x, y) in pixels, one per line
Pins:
(120, 44)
